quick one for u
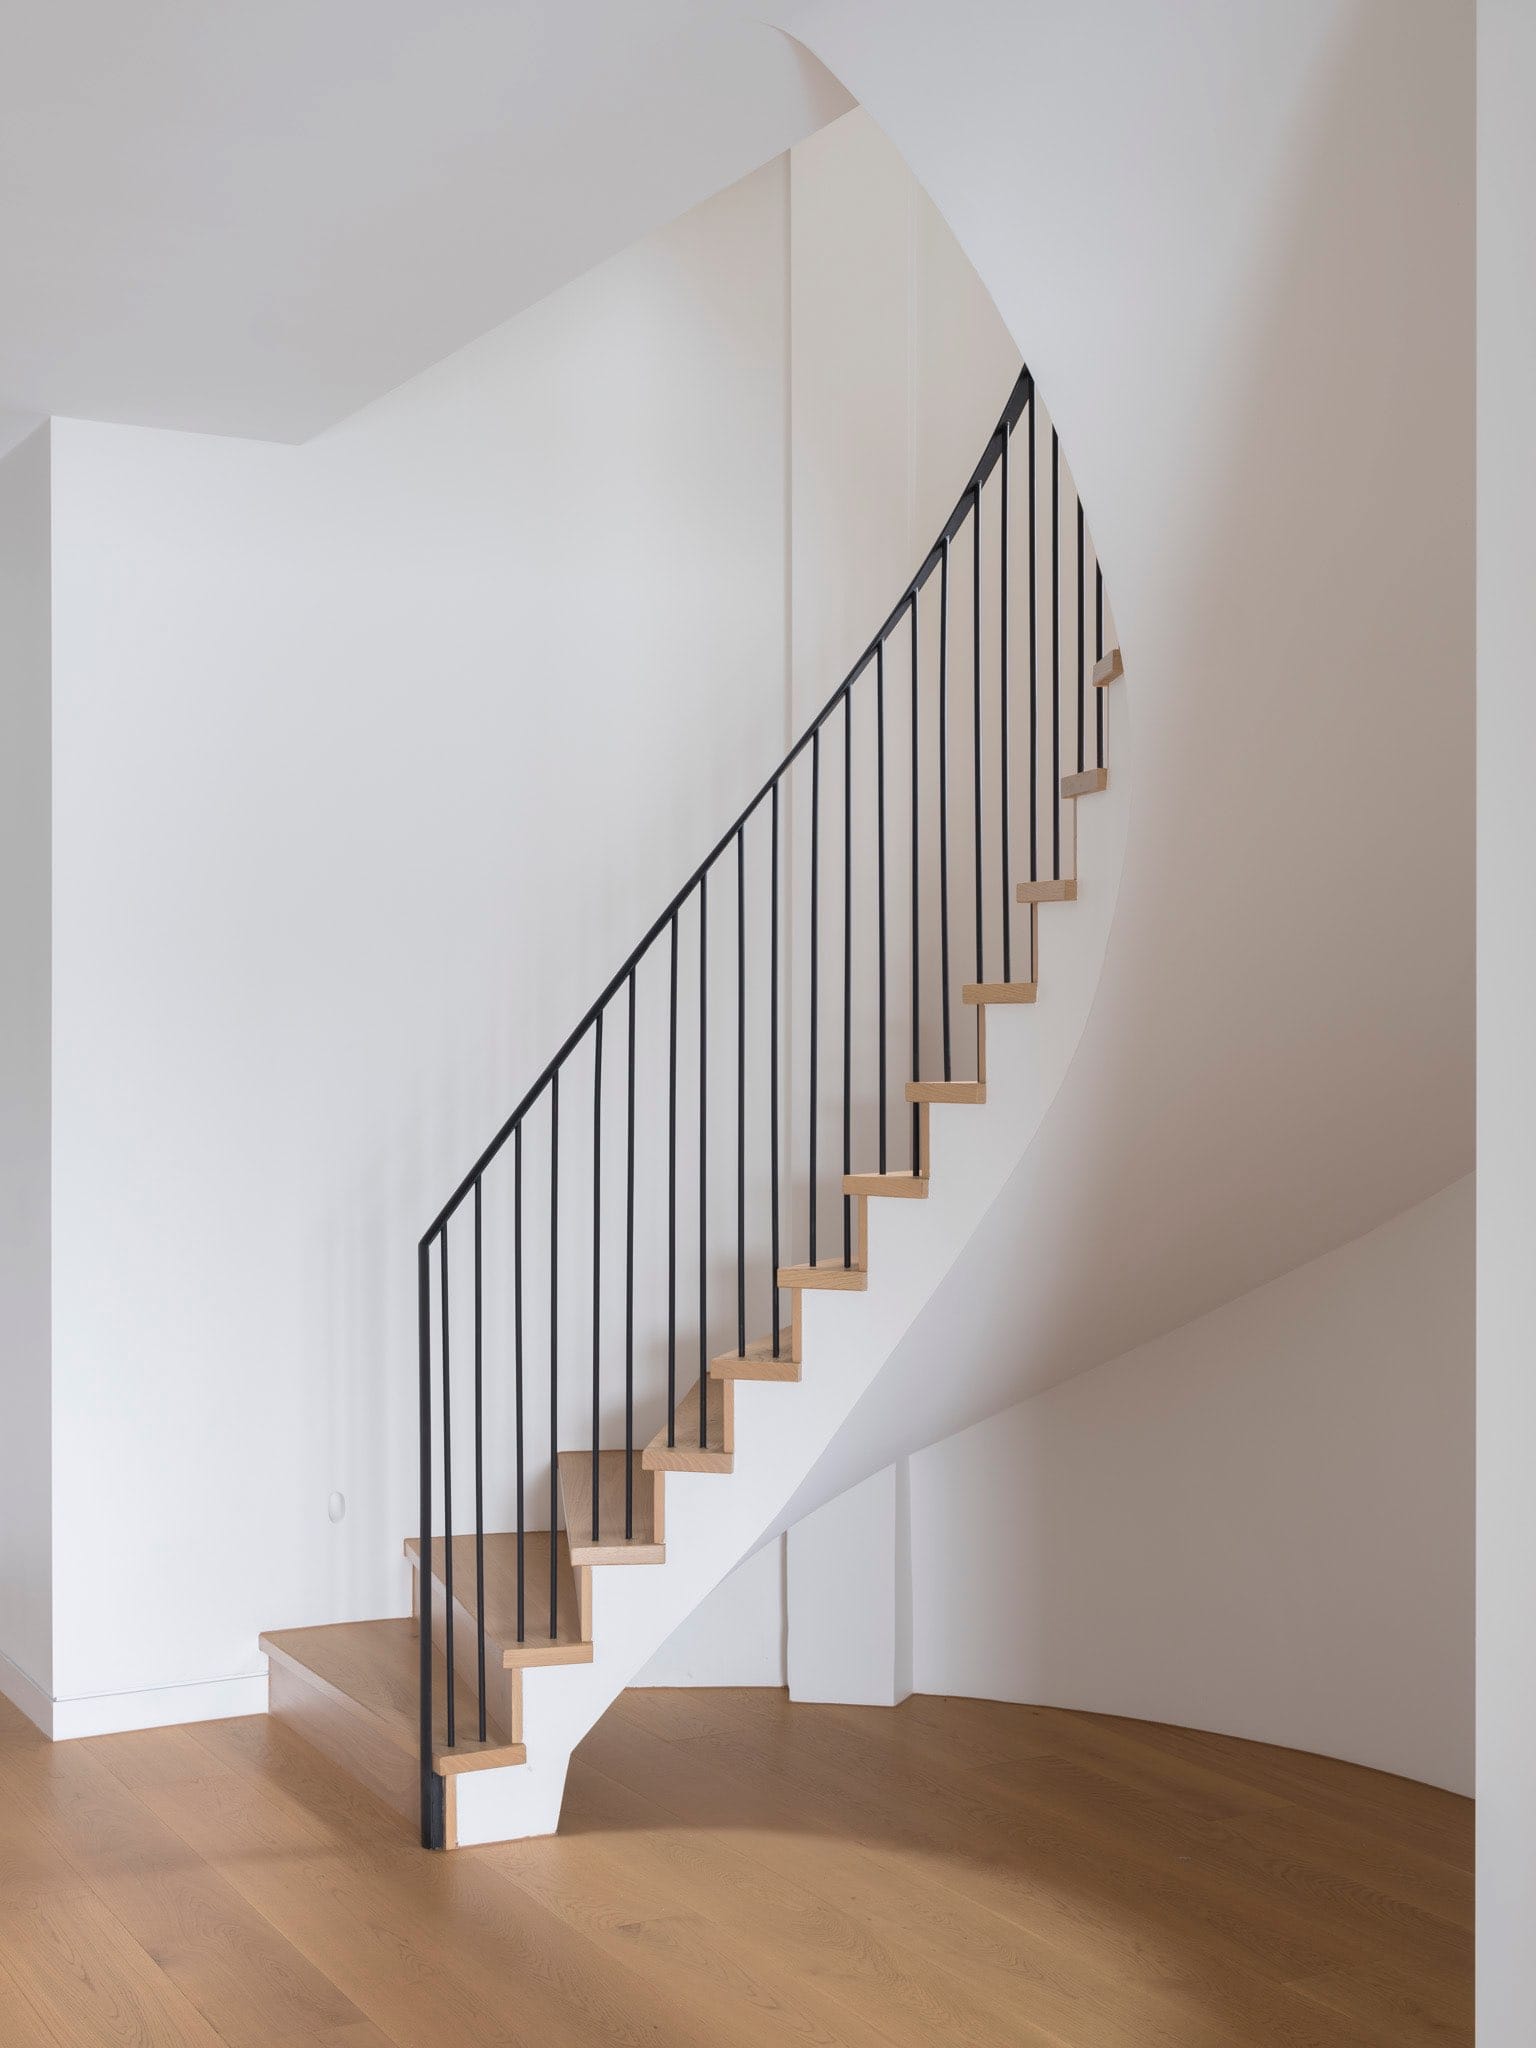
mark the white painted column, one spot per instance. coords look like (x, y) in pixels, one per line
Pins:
(1506, 989)
(26, 1118)
(849, 1596)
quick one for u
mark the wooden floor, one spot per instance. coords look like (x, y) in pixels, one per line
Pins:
(735, 1870)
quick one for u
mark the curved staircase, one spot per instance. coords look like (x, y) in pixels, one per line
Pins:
(792, 1064)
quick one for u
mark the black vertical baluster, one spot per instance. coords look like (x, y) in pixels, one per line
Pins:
(1055, 655)
(847, 969)
(944, 796)
(442, 1287)
(815, 959)
(424, 1552)
(517, 1354)
(672, 1206)
(703, 1160)
(741, 1093)
(1082, 651)
(1098, 655)
(629, 1286)
(554, 1350)
(976, 725)
(479, 1482)
(773, 1070)
(597, 1262)
(917, 951)
(1035, 691)
(1005, 765)
(880, 871)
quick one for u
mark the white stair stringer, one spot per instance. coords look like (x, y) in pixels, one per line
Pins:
(782, 1427)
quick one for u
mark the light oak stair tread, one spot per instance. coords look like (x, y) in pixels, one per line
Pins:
(372, 1670)
(568, 1644)
(686, 1453)
(1107, 669)
(1086, 783)
(946, 1091)
(1061, 889)
(758, 1361)
(908, 1186)
(980, 992)
(611, 1545)
(829, 1275)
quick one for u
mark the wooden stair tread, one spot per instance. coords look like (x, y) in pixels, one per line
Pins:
(979, 992)
(1086, 783)
(758, 1361)
(829, 1275)
(946, 1091)
(1107, 669)
(906, 1186)
(1061, 889)
(686, 1453)
(611, 1545)
(372, 1668)
(568, 1645)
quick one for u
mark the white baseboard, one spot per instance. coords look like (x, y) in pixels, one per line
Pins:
(25, 1692)
(158, 1706)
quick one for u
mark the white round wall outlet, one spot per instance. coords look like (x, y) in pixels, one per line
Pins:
(336, 1506)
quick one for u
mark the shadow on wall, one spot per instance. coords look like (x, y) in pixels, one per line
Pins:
(1280, 1052)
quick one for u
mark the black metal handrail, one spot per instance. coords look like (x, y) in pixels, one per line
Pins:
(623, 986)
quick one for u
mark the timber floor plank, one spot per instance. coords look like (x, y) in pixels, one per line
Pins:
(248, 1983)
(733, 1870)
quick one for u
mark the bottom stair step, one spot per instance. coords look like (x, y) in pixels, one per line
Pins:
(350, 1690)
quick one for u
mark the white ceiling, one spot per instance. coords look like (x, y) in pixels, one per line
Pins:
(252, 218)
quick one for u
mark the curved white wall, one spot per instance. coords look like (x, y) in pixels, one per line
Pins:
(1234, 244)
(1261, 1523)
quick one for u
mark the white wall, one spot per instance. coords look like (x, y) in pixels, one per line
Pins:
(25, 720)
(901, 366)
(1506, 1302)
(735, 1636)
(371, 759)
(1260, 1524)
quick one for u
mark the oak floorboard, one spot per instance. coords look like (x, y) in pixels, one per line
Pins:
(249, 1983)
(733, 1870)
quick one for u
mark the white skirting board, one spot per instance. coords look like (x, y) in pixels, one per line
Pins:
(116, 1713)
(23, 1691)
